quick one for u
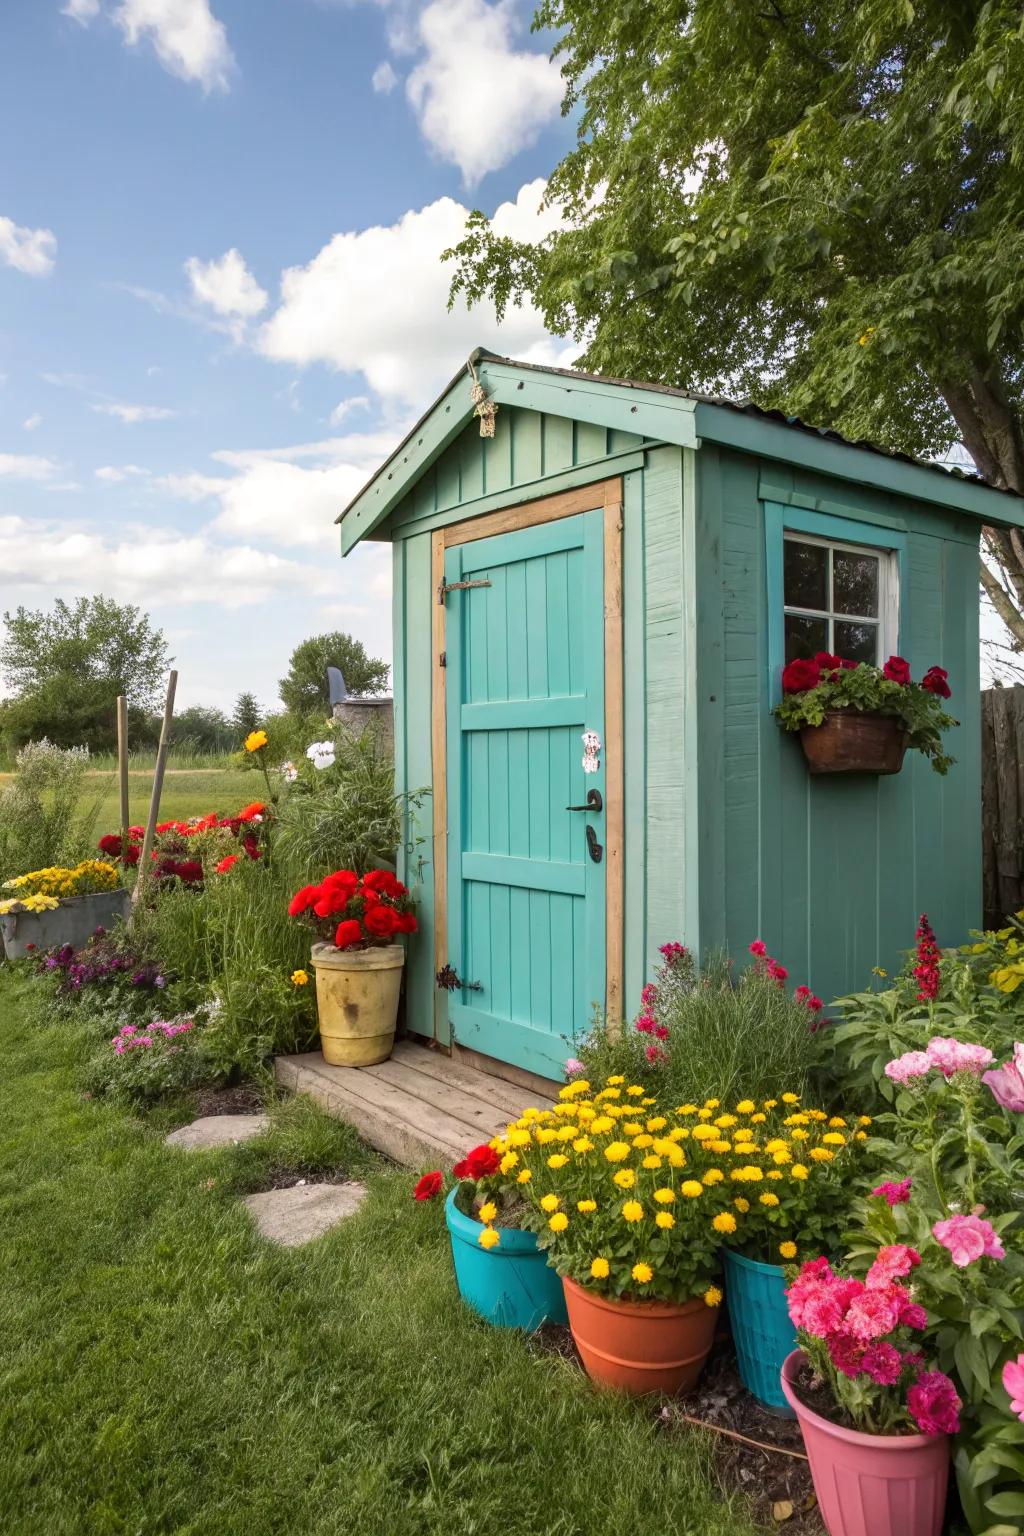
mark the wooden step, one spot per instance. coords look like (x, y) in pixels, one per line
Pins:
(420, 1107)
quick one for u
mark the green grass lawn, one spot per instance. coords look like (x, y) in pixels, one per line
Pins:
(165, 1370)
(186, 792)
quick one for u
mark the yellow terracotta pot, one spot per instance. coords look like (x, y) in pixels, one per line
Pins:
(357, 1002)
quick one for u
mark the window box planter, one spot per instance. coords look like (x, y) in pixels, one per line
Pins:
(357, 1002)
(855, 741)
(73, 922)
(871, 1485)
(761, 1328)
(510, 1285)
(640, 1346)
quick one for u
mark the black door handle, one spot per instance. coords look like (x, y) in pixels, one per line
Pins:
(594, 802)
(593, 846)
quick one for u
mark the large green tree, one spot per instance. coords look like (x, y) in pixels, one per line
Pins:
(814, 204)
(305, 688)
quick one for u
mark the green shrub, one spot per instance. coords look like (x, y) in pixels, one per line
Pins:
(705, 1033)
(144, 1063)
(46, 817)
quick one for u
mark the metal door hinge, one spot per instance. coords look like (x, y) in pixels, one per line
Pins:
(458, 586)
(442, 660)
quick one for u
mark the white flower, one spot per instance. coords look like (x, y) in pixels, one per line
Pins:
(289, 772)
(321, 754)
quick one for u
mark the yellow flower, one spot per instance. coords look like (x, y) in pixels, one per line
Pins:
(254, 742)
(609, 1093)
(524, 1177)
(703, 1114)
(488, 1211)
(631, 1128)
(615, 1082)
(769, 1198)
(300, 978)
(791, 1098)
(860, 1135)
(863, 1119)
(643, 1140)
(725, 1221)
(743, 1134)
(770, 1103)
(712, 1103)
(488, 1238)
(719, 1146)
(664, 1196)
(545, 1135)
(725, 1121)
(583, 1144)
(651, 1162)
(642, 1273)
(632, 1211)
(782, 1157)
(745, 1107)
(798, 1171)
(704, 1133)
(599, 1269)
(837, 1123)
(788, 1250)
(635, 1092)
(712, 1296)
(691, 1189)
(665, 1219)
(549, 1203)
(775, 1173)
(800, 1135)
(686, 1109)
(519, 1138)
(586, 1206)
(758, 1119)
(602, 1125)
(657, 1124)
(646, 1103)
(558, 1160)
(615, 1151)
(508, 1162)
(743, 1206)
(559, 1222)
(822, 1154)
(713, 1176)
(625, 1178)
(834, 1139)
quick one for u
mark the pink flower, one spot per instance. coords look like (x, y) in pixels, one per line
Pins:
(758, 948)
(814, 1004)
(655, 1055)
(910, 1064)
(913, 1316)
(951, 1056)
(847, 1354)
(801, 992)
(661, 1032)
(883, 1363)
(647, 1024)
(934, 1405)
(1013, 1381)
(1007, 1082)
(968, 1238)
(649, 995)
(573, 1067)
(894, 1194)
(873, 1314)
(822, 1313)
(672, 951)
(777, 972)
(891, 1263)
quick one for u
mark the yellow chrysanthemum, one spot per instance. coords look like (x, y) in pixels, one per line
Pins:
(488, 1211)
(704, 1132)
(725, 1121)
(634, 1091)
(544, 1135)
(615, 1082)
(625, 1178)
(489, 1238)
(691, 1188)
(643, 1140)
(602, 1125)
(770, 1103)
(631, 1128)
(724, 1222)
(549, 1202)
(863, 1119)
(559, 1222)
(519, 1138)
(642, 1273)
(743, 1134)
(657, 1124)
(822, 1154)
(300, 978)
(758, 1119)
(712, 1103)
(775, 1173)
(254, 742)
(508, 1162)
(712, 1296)
(665, 1219)
(713, 1176)
(719, 1146)
(703, 1114)
(557, 1160)
(586, 1206)
(652, 1162)
(769, 1198)
(791, 1098)
(745, 1107)
(616, 1151)
(742, 1205)
(524, 1177)
(665, 1196)
(686, 1109)
(800, 1135)
(787, 1250)
(583, 1144)
(599, 1269)
(834, 1139)
(632, 1211)
(798, 1171)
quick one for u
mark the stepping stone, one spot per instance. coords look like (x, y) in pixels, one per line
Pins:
(296, 1215)
(217, 1131)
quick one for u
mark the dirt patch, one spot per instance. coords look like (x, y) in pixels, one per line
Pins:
(243, 1099)
(287, 1178)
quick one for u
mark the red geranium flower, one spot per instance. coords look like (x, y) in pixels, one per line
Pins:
(800, 675)
(251, 846)
(480, 1163)
(250, 812)
(228, 863)
(131, 855)
(429, 1186)
(110, 843)
(380, 921)
(897, 670)
(384, 883)
(935, 680)
(303, 900)
(348, 933)
(827, 662)
(405, 922)
(190, 871)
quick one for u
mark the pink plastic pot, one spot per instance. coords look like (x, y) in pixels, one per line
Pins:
(871, 1485)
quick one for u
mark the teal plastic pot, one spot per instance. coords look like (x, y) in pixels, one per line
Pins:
(511, 1285)
(761, 1328)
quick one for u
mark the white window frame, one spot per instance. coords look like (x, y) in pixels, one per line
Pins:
(888, 617)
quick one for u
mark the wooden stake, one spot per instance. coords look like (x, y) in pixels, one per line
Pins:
(122, 765)
(158, 783)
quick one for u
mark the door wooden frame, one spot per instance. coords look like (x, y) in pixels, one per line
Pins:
(606, 494)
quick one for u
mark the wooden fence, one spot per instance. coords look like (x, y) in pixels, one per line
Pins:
(1002, 802)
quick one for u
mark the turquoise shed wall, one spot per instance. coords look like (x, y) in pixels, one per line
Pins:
(831, 873)
(532, 455)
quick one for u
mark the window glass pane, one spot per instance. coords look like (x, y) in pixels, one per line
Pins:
(854, 583)
(857, 642)
(806, 575)
(804, 636)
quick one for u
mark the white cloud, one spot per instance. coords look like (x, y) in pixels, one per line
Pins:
(375, 301)
(384, 79)
(82, 11)
(131, 414)
(478, 99)
(226, 285)
(31, 422)
(346, 407)
(26, 466)
(117, 472)
(29, 250)
(189, 40)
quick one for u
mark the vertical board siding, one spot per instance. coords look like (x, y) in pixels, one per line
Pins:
(832, 873)
(634, 733)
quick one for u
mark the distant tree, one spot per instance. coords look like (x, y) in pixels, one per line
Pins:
(246, 715)
(67, 666)
(305, 689)
(204, 729)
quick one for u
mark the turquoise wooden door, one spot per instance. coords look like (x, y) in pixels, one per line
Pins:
(526, 898)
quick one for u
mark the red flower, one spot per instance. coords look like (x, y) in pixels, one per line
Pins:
(250, 812)
(480, 1163)
(136, 832)
(405, 922)
(303, 900)
(347, 933)
(849, 666)
(189, 871)
(111, 842)
(384, 883)
(379, 921)
(131, 856)
(429, 1186)
(251, 846)
(228, 863)
(935, 680)
(897, 670)
(926, 971)
(827, 662)
(800, 675)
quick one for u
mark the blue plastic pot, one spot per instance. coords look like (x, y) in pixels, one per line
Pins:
(761, 1329)
(511, 1285)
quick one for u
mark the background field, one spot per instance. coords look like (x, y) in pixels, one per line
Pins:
(187, 792)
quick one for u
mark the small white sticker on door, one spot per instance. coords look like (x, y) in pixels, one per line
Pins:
(591, 752)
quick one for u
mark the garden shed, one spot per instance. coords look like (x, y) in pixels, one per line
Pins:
(596, 585)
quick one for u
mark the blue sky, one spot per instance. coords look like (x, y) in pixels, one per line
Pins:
(220, 295)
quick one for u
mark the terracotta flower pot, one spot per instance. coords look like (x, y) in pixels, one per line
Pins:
(871, 1485)
(854, 741)
(640, 1346)
(357, 1002)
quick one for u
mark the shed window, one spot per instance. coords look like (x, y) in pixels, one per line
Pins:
(839, 598)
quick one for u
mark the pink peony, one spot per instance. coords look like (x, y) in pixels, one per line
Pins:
(873, 1314)
(883, 1363)
(968, 1238)
(951, 1056)
(910, 1064)
(894, 1194)
(1013, 1381)
(891, 1263)
(1007, 1082)
(934, 1405)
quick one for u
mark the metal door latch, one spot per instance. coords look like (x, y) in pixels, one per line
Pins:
(457, 586)
(594, 802)
(594, 848)
(448, 980)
